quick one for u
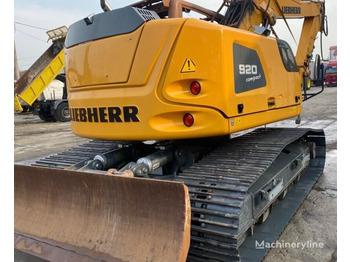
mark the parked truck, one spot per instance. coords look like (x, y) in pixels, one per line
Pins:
(331, 74)
(29, 90)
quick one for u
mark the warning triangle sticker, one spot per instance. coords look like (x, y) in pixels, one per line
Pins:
(188, 66)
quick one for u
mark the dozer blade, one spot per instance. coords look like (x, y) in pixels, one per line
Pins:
(63, 215)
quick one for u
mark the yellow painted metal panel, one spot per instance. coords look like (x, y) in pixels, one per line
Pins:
(18, 106)
(104, 61)
(244, 122)
(158, 88)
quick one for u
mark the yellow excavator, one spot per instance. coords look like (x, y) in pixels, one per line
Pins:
(168, 175)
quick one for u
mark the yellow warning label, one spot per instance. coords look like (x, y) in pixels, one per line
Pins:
(188, 66)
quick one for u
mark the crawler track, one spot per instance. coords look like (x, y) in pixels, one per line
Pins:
(218, 186)
(219, 183)
(76, 155)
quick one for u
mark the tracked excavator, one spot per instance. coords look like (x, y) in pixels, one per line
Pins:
(168, 174)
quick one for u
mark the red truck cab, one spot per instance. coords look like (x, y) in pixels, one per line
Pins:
(331, 74)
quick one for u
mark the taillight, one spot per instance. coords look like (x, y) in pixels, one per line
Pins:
(188, 120)
(195, 88)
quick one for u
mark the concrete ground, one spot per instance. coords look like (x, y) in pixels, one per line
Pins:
(314, 222)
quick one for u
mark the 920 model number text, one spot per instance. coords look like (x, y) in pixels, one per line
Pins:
(248, 69)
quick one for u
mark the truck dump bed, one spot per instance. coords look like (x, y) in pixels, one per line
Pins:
(31, 85)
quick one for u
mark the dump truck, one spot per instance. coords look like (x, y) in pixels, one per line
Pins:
(29, 89)
(181, 165)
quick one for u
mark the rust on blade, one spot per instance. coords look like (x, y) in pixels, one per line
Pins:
(62, 215)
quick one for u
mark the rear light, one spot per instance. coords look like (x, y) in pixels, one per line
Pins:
(195, 88)
(188, 120)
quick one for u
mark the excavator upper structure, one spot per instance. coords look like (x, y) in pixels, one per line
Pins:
(171, 172)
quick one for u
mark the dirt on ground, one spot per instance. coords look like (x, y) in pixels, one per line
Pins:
(314, 222)
(35, 138)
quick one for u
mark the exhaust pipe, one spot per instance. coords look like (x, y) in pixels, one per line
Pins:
(105, 6)
(175, 9)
